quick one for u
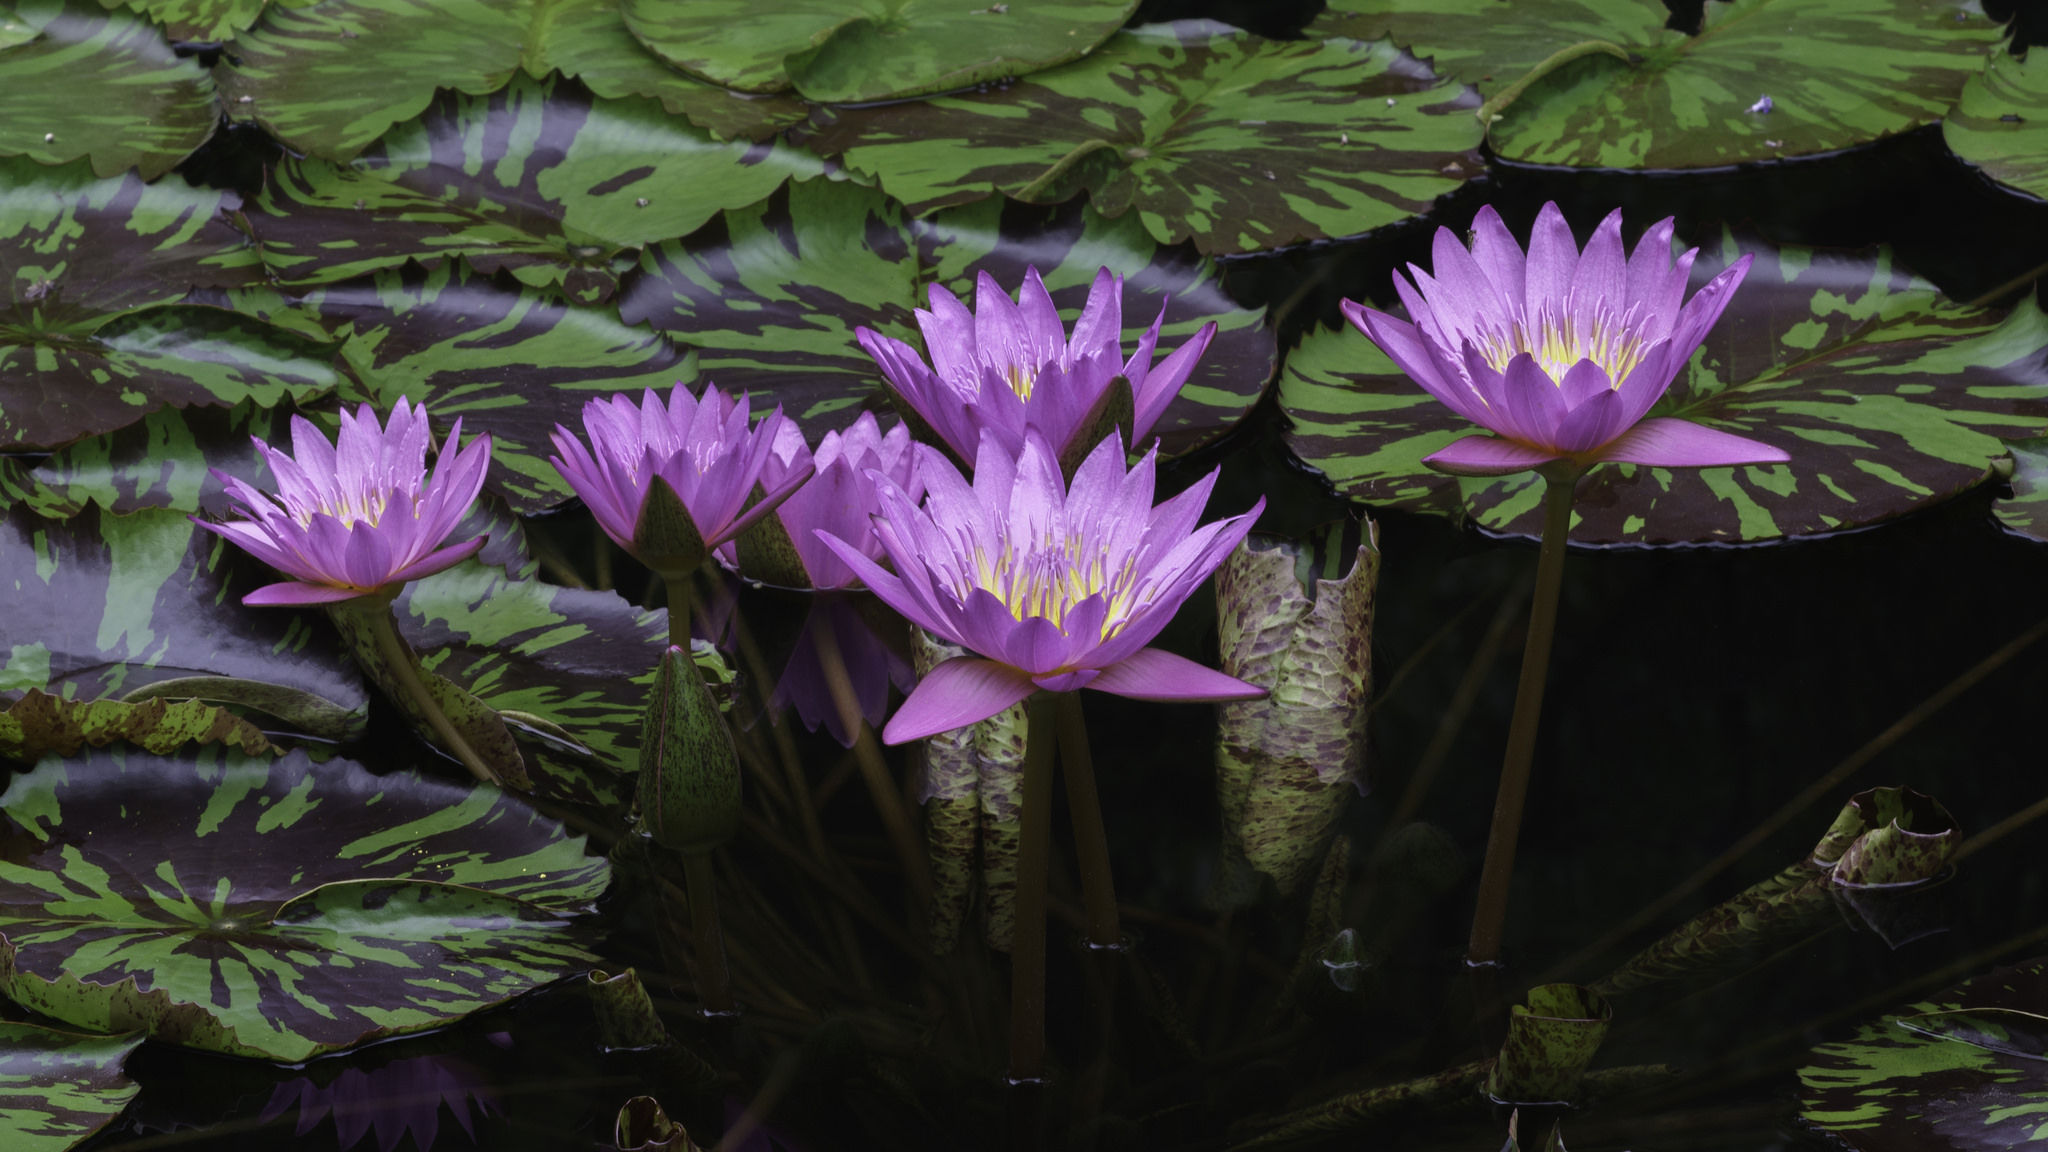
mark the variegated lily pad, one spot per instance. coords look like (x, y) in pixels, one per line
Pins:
(589, 182)
(277, 908)
(2001, 122)
(102, 85)
(57, 1088)
(1887, 395)
(771, 295)
(841, 51)
(1206, 132)
(1838, 72)
(205, 21)
(2026, 513)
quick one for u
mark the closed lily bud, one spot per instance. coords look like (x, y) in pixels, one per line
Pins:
(1294, 621)
(689, 794)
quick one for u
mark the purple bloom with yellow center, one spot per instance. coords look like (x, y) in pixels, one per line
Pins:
(360, 516)
(1559, 353)
(1009, 367)
(669, 482)
(1056, 588)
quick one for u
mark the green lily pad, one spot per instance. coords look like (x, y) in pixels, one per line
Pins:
(1209, 133)
(1838, 72)
(102, 605)
(204, 21)
(2001, 122)
(1887, 395)
(91, 336)
(509, 360)
(1941, 1074)
(771, 294)
(2025, 513)
(57, 1088)
(591, 182)
(100, 85)
(275, 909)
(836, 51)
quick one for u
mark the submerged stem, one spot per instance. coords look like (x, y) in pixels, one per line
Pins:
(1490, 917)
(1091, 843)
(714, 983)
(402, 664)
(873, 769)
(1034, 855)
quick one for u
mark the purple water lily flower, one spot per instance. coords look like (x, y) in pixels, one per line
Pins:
(1056, 588)
(1558, 353)
(838, 498)
(1009, 366)
(700, 449)
(360, 516)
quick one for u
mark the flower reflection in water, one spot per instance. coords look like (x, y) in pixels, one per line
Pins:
(404, 1096)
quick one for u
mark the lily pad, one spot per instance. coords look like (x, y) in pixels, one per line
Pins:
(589, 182)
(1211, 134)
(1945, 1073)
(2026, 513)
(2001, 122)
(509, 360)
(205, 21)
(1838, 73)
(771, 295)
(100, 85)
(832, 50)
(275, 909)
(102, 605)
(91, 338)
(1887, 395)
(57, 1088)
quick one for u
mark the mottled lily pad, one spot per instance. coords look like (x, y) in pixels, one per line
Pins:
(588, 183)
(1887, 395)
(1962, 1070)
(100, 85)
(841, 51)
(2001, 122)
(1838, 73)
(771, 295)
(275, 908)
(205, 21)
(1209, 133)
(2026, 513)
(40, 724)
(57, 1088)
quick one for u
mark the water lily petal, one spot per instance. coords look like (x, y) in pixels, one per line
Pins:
(1499, 257)
(1067, 681)
(964, 690)
(1600, 282)
(1154, 674)
(1669, 442)
(1553, 259)
(1101, 327)
(294, 592)
(1488, 456)
(1409, 352)
(1155, 391)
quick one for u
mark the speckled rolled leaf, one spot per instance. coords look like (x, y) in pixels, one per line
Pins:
(1888, 397)
(999, 746)
(952, 804)
(277, 908)
(1550, 1041)
(101, 85)
(2000, 123)
(588, 183)
(1910, 839)
(2026, 511)
(771, 294)
(1286, 763)
(1893, 1087)
(625, 1012)
(840, 51)
(1211, 134)
(39, 724)
(57, 1088)
(513, 363)
(101, 605)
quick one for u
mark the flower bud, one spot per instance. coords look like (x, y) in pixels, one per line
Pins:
(689, 794)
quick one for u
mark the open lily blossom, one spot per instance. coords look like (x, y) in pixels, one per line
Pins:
(838, 498)
(359, 516)
(1055, 588)
(1559, 353)
(1010, 366)
(701, 448)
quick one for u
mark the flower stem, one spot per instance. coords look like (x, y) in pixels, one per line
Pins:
(404, 669)
(1034, 855)
(714, 983)
(910, 852)
(1091, 843)
(677, 585)
(1490, 917)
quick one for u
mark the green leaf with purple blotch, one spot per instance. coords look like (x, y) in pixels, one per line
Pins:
(1202, 131)
(99, 85)
(1888, 396)
(57, 1088)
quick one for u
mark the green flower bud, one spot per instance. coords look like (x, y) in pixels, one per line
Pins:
(689, 794)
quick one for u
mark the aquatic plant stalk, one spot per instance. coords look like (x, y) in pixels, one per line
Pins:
(1490, 917)
(400, 660)
(714, 982)
(874, 771)
(1027, 948)
(1091, 842)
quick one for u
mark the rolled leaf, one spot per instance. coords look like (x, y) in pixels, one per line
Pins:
(689, 771)
(625, 1013)
(952, 811)
(999, 750)
(39, 723)
(644, 1127)
(1550, 1041)
(1910, 840)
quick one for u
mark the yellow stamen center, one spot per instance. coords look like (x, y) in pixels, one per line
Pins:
(1020, 379)
(1558, 343)
(1049, 580)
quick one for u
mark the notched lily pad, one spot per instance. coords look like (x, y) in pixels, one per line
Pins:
(2026, 512)
(38, 724)
(771, 295)
(100, 85)
(277, 908)
(836, 51)
(207, 21)
(2000, 124)
(57, 1088)
(590, 181)
(1208, 133)
(1888, 397)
